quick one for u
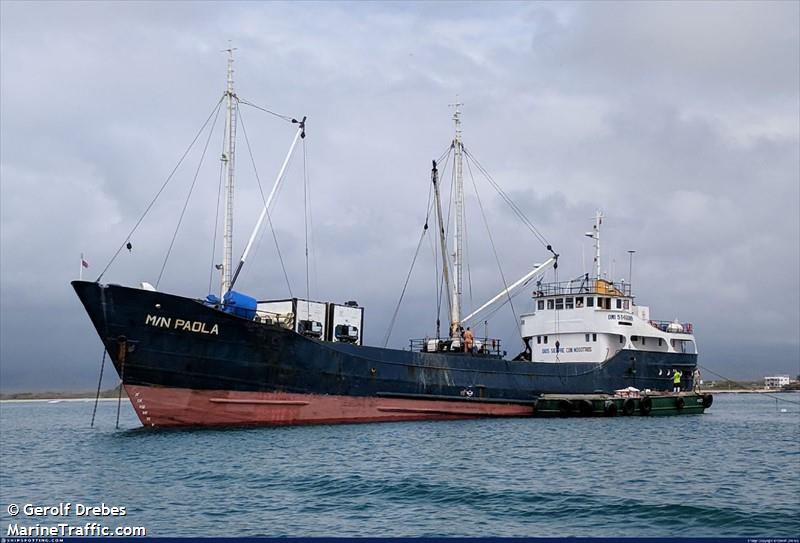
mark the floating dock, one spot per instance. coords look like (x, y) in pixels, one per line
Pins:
(607, 405)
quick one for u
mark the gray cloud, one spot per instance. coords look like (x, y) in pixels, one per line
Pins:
(679, 120)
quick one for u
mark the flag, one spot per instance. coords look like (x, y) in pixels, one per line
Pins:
(84, 262)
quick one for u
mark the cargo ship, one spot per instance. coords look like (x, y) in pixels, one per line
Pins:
(231, 359)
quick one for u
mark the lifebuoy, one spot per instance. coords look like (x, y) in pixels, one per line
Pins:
(679, 402)
(708, 399)
(646, 405)
(610, 408)
(564, 407)
(628, 407)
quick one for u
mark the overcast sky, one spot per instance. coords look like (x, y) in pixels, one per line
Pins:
(681, 121)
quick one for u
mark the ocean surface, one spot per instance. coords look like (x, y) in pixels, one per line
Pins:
(734, 471)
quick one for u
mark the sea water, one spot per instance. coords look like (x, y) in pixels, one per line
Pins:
(734, 471)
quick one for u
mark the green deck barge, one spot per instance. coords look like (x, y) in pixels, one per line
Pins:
(606, 405)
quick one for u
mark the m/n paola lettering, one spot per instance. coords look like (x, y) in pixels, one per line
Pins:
(197, 327)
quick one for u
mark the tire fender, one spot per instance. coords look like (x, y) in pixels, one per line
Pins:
(646, 405)
(628, 407)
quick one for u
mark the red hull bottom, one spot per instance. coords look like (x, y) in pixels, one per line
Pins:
(162, 407)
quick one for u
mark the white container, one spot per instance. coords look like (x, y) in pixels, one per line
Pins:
(345, 323)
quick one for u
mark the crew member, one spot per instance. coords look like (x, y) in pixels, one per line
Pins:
(676, 380)
(469, 340)
(697, 379)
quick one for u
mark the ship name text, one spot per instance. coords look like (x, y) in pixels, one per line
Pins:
(555, 350)
(197, 327)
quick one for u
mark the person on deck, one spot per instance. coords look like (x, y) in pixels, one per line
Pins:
(676, 381)
(469, 340)
(697, 379)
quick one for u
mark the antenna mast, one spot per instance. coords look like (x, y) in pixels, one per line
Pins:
(598, 220)
(228, 158)
(455, 305)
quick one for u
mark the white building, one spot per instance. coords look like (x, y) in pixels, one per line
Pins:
(776, 381)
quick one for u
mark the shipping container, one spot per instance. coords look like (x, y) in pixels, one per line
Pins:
(303, 316)
(345, 323)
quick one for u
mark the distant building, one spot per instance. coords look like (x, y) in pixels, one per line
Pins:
(776, 381)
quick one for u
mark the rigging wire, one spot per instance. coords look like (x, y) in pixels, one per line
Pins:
(314, 268)
(466, 257)
(408, 277)
(491, 240)
(286, 118)
(216, 216)
(514, 207)
(264, 199)
(163, 186)
(99, 384)
(188, 196)
(446, 153)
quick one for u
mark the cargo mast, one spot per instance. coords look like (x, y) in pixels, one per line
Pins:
(455, 295)
(228, 158)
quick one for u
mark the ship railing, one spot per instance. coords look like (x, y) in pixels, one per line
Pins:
(673, 327)
(584, 285)
(481, 346)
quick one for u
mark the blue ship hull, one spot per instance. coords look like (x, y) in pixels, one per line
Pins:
(159, 341)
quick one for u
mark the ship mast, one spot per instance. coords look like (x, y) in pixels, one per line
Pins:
(228, 158)
(455, 305)
(442, 239)
(595, 235)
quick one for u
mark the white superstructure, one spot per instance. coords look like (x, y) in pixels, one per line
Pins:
(591, 319)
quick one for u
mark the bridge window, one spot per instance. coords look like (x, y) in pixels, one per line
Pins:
(587, 338)
(559, 303)
(626, 304)
(545, 340)
(590, 301)
(538, 339)
(579, 301)
(619, 303)
(570, 303)
(594, 337)
(550, 304)
(540, 304)
(684, 346)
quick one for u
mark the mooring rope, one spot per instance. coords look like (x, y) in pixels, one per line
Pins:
(777, 398)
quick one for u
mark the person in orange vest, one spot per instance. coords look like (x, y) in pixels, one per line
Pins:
(676, 380)
(469, 340)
